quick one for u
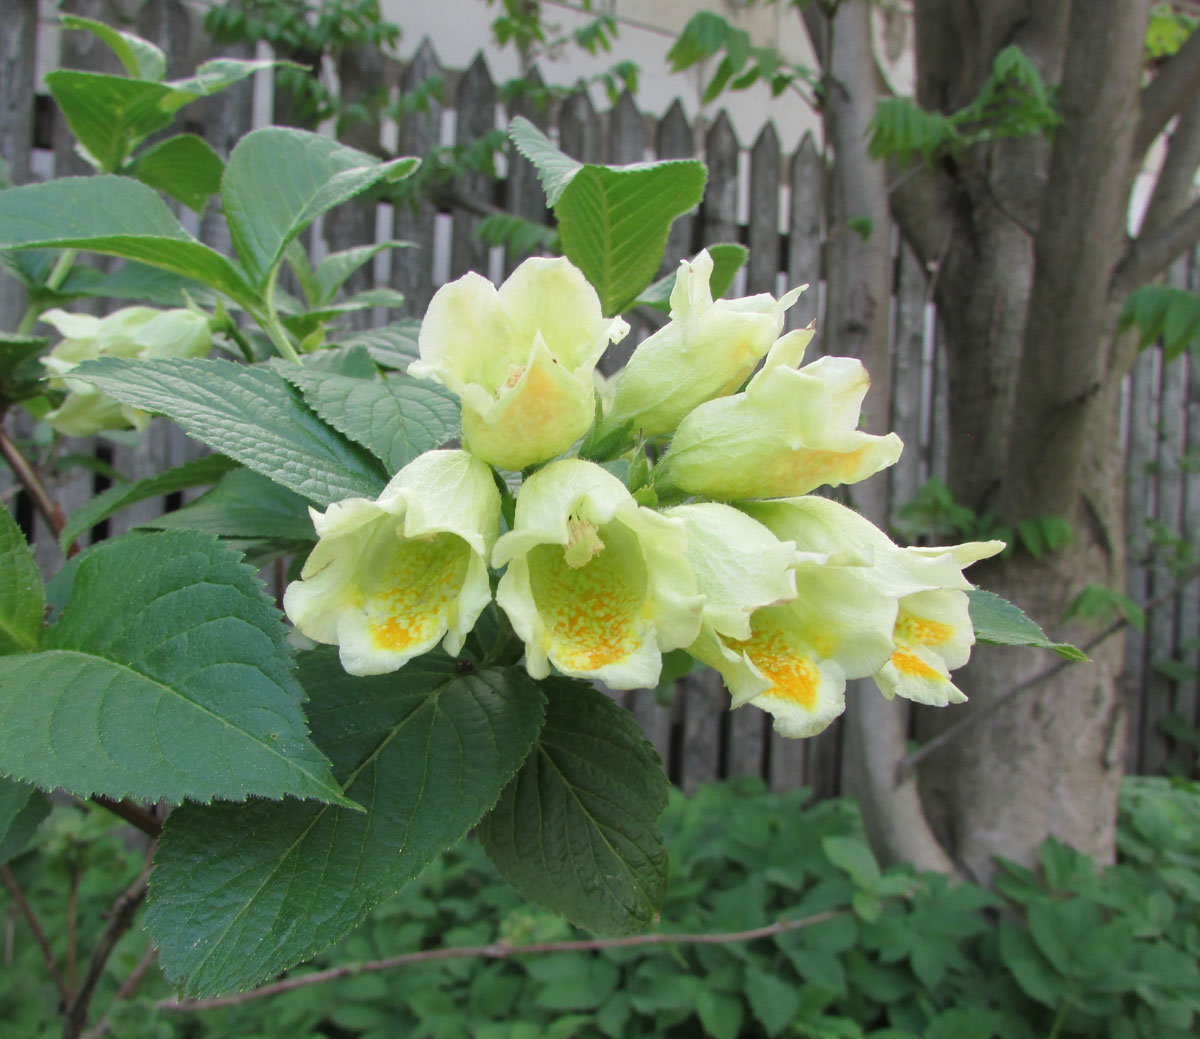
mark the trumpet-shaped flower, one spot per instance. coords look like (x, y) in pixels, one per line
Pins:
(390, 578)
(138, 332)
(596, 585)
(707, 349)
(932, 633)
(520, 358)
(790, 432)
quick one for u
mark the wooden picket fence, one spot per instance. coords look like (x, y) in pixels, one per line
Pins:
(769, 201)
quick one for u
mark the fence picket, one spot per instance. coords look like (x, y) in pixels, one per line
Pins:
(762, 233)
(718, 211)
(806, 203)
(420, 133)
(475, 104)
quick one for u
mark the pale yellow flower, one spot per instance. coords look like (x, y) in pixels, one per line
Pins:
(143, 333)
(390, 578)
(520, 358)
(707, 349)
(595, 585)
(790, 432)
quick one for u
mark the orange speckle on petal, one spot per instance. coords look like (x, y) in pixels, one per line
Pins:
(922, 630)
(793, 675)
(908, 663)
(412, 597)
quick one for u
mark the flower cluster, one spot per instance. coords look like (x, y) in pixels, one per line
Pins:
(134, 332)
(787, 594)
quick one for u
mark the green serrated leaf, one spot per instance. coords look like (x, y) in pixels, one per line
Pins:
(22, 600)
(614, 222)
(141, 58)
(117, 216)
(22, 809)
(134, 281)
(214, 76)
(20, 372)
(168, 675)
(244, 504)
(391, 346)
(396, 417)
(111, 115)
(332, 271)
(250, 414)
(241, 892)
(853, 856)
(1000, 623)
(280, 179)
(555, 169)
(196, 473)
(184, 167)
(576, 828)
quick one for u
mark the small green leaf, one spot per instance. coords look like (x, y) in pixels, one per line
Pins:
(396, 417)
(775, 1002)
(614, 222)
(22, 600)
(391, 346)
(576, 828)
(22, 809)
(135, 281)
(1000, 623)
(184, 167)
(279, 180)
(720, 1013)
(250, 414)
(196, 473)
(332, 271)
(241, 892)
(20, 373)
(141, 58)
(215, 75)
(168, 675)
(854, 857)
(120, 217)
(702, 37)
(244, 504)
(555, 169)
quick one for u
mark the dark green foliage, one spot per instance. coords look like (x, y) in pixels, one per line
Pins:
(1167, 315)
(1013, 102)
(1104, 954)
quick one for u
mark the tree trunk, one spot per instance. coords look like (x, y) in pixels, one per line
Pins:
(1030, 264)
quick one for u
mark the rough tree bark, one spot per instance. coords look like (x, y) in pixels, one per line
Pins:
(1026, 238)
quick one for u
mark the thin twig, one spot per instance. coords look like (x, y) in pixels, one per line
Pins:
(906, 764)
(72, 913)
(128, 987)
(496, 951)
(120, 919)
(133, 813)
(18, 897)
(49, 509)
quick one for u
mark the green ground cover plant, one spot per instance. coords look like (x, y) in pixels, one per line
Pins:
(1068, 950)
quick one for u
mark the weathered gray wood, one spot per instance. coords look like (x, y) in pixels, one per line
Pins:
(806, 203)
(747, 742)
(655, 721)
(1161, 629)
(939, 403)
(580, 134)
(1187, 694)
(824, 762)
(1142, 387)
(718, 211)
(412, 269)
(226, 117)
(174, 27)
(475, 104)
(907, 377)
(17, 49)
(704, 703)
(523, 195)
(786, 762)
(360, 72)
(762, 233)
(626, 132)
(674, 140)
